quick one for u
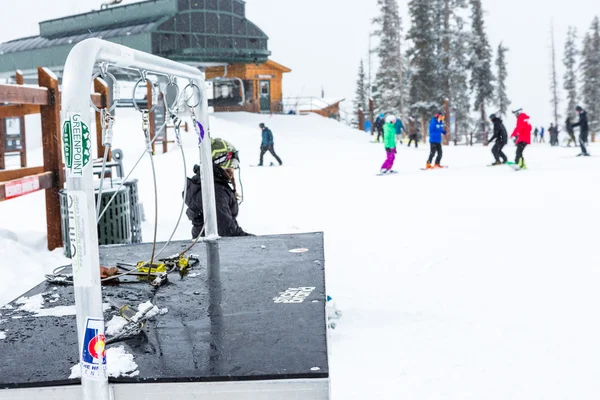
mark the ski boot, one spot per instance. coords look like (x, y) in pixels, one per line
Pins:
(429, 166)
(438, 166)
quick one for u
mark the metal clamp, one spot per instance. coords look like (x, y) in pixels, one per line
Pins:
(104, 73)
(144, 79)
(193, 86)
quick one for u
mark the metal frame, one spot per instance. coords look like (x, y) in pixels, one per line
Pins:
(314, 389)
(76, 111)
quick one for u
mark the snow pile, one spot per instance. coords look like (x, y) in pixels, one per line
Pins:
(115, 325)
(118, 363)
(2, 335)
(35, 305)
(148, 310)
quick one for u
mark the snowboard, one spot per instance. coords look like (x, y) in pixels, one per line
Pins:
(514, 166)
(392, 172)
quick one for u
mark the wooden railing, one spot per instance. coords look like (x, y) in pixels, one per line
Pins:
(43, 99)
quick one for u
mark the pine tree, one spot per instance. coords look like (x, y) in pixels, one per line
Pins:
(570, 77)
(501, 98)
(554, 78)
(459, 78)
(591, 74)
(482, 77)
(424, 84)
(388, 87)
(360, 102)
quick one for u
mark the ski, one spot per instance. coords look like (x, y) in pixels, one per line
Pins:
(387, 173)
(433, 169)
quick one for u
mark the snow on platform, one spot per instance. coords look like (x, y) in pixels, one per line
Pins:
(466, 283)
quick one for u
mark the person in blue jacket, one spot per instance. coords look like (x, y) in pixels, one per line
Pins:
(436, 130)
(267, 144)
(399, 126)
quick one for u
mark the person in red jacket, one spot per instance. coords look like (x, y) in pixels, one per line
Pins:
(523, 134)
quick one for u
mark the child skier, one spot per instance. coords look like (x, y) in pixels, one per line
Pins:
(523, 135)
(501, 138)
(436, 130)
(389, 142)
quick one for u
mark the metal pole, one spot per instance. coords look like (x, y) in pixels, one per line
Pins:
(78, 71)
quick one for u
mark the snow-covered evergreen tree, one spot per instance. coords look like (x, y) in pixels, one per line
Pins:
(570, 77)
(388, 88)
(554, 78)
(360, 101)
(459, 78)
(482, 77)
(424, 82)
(501, 98)
(590, 66)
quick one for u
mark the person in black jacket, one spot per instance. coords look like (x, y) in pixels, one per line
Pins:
(570, 132)
(584, 130)
(225, 159)
(501, 138)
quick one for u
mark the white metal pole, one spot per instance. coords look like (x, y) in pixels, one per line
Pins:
(82, 217)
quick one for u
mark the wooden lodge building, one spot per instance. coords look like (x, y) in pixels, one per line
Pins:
(212, 35)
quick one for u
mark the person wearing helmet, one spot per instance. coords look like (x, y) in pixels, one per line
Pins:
(522, 133)
(501, 138)
(225, 159)
(389, 142)
(267, 144)
(584, 130)
(379, 122)
(436, 130)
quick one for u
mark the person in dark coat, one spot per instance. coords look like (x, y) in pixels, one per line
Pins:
(379, 122)
(535, 135)
(501, 138)
(413, 131)
(553, 131)
(584, 130)
(267, 144)
(570, 132)
(225, 159)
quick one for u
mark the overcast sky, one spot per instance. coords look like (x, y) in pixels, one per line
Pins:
(322, 41)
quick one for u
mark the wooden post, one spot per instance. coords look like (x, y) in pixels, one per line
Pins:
(372, 114)
(424, 127)
(361, 119)
(165, 143)
(101, 87)
(484, 125)
(52, 147)
(20, 80)
(152, 116)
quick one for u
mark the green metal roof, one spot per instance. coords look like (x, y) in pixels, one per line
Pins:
(193, 31)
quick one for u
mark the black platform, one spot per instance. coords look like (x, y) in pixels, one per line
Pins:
(224, 328)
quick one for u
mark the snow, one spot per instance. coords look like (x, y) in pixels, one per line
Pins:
(2, 335)
(115, 325)
(464, 283)
(118, 363)
(35, 305)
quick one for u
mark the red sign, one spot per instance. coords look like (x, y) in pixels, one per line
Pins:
(21, 187)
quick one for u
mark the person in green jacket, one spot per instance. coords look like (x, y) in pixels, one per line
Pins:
(389, 141)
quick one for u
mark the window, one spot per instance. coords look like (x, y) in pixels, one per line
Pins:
(225, 5)
(238, 8)
(167, 43)
(226, 93)
(198, 22)
(212, 23)
(253, 43)
(226, 24)
(239, 26)
(211, 5)
(212, 42)
(253, 30)
(226, 42)
(183, 22)
(197, 4)
(183, 4)
(198, 41)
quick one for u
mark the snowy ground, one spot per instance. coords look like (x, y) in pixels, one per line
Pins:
(465, 283)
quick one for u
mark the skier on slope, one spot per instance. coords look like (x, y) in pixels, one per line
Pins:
(413, 131)
(436, 130)
(542, 131)
(389, 142)
(399, 126)
(584, 130)
(501, 138)
(522, 133)
(535, 135)
(570, 132)
(379, 122)
(225, 160)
